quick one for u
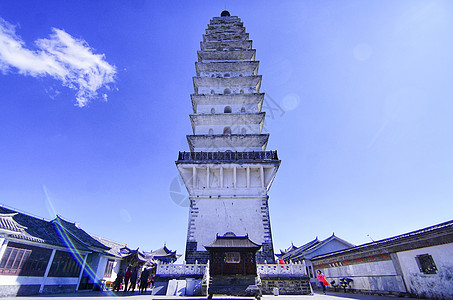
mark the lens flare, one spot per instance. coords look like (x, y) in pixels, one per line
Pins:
(70, 244)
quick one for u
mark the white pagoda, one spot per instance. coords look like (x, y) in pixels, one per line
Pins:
(227, 171)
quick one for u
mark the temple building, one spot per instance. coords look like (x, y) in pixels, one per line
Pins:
(162, 255)
(227, 171)
(46, 257)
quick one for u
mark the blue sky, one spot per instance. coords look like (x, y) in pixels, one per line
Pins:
(95, 103)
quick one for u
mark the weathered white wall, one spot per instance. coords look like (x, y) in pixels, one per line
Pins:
(434, 286)
(34, 280)
(371, 276)
(101, 267)
(116, 269)
(218, 216)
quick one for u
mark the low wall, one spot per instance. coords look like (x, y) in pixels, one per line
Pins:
(19, 290)
(11, 286)
(287, 285)
(379, 276)
(281, 269)
(180, 270)
(290, 279)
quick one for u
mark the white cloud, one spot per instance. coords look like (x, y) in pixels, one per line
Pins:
(60, 56)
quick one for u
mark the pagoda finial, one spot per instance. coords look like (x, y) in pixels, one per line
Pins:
(225, 13)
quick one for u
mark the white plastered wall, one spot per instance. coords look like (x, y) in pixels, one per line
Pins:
(218, 216)
(439, 285)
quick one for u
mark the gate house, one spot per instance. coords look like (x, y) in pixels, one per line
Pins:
(232, 255)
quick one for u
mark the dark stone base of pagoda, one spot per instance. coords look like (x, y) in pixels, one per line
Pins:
(233, 285)
(266, 254)
(192, 255)
(287, 285)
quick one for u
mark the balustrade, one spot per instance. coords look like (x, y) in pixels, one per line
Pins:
(181, 269)
(262, 269)
(281, 269)
(228, 156)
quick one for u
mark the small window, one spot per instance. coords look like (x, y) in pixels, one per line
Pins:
(241, 91)
(212, 92)
(211, 132)
(227, 110)
(226, 75)
(109, 268)
(426, 264)
(244, 131)
(227, 91)
(213, 110)
(243, 109)
(227, 130)
(232, 257)
(240, 75)
(212, 75)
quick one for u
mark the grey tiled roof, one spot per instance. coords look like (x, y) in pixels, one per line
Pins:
(300, 249)
(114, 247)
(160, 253)
(164, 251)
(79, 234)
(230, 240)
(405, 241)
(39, 230)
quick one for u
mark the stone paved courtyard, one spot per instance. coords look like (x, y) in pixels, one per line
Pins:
(136, 296)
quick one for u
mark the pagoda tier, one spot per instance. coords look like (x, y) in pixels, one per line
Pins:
(235, 171)
(230, 22)
(203, 103)
(220, 69)
(251, 122)
(224, 142)
(226, 55)
(225, 36)
(225, 30)
(227, 85)
(226, 45)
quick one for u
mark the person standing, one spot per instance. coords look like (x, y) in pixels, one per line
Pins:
(143, 280)
(118, 280)
(133, 279)
(127, 276)
(322, 280)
